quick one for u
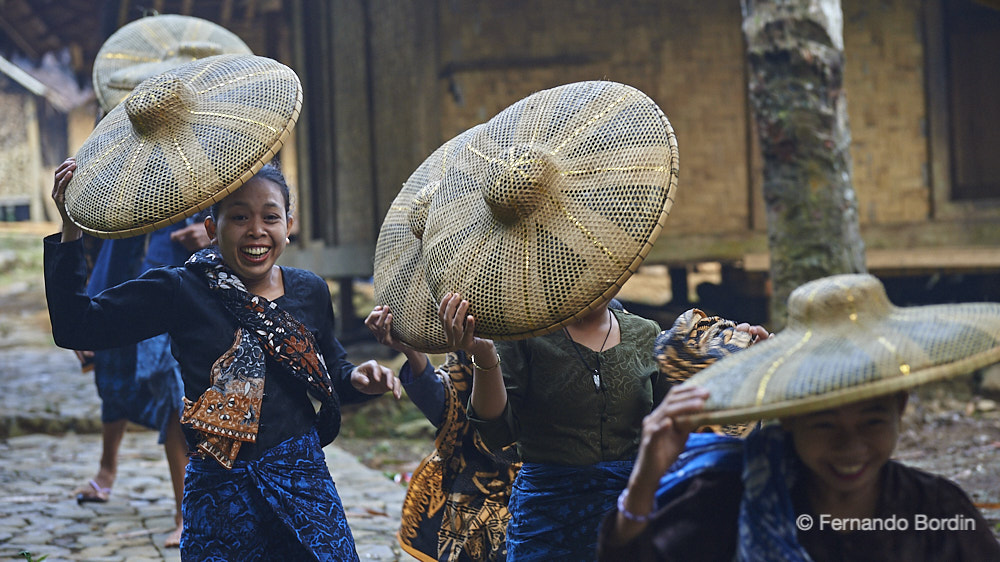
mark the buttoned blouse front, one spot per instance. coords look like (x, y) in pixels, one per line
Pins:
(554, 411)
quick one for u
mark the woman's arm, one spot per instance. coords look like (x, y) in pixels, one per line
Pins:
(663, 440)
(489, 395)
(121, 315)
(422, 385)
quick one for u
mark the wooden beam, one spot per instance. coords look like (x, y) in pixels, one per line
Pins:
(939, 237)
(332, 262)
(955, 260)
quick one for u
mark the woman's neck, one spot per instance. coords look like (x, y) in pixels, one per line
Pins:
(595, 330)
(271, 286)
(841, 505)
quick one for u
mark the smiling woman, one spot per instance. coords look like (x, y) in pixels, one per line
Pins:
(251, 228)
(264, 376)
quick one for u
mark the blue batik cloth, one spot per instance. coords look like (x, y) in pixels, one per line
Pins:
(282, 506)
(556, 510)
(767, 464)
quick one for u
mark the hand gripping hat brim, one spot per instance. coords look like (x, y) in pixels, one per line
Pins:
(399, 280)
(545, 212)
(180, 142)
(153, 45)
(845, 342)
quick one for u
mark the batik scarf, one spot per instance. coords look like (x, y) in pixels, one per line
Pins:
(768, 467)
(456, 503)
(694, 342)
(227, 414)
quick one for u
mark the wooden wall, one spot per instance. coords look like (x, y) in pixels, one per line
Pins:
(389, 81)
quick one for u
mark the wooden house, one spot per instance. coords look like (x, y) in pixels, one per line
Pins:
(387, 81)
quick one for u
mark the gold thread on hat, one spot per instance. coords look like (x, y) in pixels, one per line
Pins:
(846, 342)
(152, 45)
(536, 217)
(181, 141)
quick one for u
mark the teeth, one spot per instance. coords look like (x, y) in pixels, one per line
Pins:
(256, 251)
(848, 470)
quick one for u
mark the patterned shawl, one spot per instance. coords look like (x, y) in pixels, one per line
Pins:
(456, 504)
(694, 342)
(767, 464)
(227, 414)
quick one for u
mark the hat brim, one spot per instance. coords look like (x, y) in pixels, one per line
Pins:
(845, 342)
(399, 281)
(153, 45)
(551, 206)
(181, 142)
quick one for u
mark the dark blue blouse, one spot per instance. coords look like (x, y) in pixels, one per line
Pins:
(178, 301)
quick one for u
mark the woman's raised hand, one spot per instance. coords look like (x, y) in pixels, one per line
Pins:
(379, 323)
(63, 175)
(460, 327)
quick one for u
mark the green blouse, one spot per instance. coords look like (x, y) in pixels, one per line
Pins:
(554, 411)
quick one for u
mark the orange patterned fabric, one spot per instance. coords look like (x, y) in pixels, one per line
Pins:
(694, 342)
(456, 504)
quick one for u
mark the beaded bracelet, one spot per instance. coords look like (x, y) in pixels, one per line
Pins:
(628, 514)
(481, 368)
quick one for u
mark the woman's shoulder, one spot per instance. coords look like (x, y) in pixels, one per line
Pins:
(636, 322)
(303, 277)
(912, 485)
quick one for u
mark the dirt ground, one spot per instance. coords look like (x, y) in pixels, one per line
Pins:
(949, 429)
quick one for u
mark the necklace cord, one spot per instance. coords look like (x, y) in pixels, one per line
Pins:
(595, 372)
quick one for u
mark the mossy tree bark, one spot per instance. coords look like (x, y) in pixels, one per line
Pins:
(796, 87)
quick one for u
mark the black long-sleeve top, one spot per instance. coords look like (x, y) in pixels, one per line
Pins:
(178, 301)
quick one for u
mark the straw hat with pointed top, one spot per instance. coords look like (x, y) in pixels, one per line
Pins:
(399, 280)
(181, 141)
(845, 342)
(544, 212)
(154, 45)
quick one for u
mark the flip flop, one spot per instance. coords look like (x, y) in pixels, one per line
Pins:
(84, 498)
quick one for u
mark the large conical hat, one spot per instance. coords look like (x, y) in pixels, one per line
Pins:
(845, 342)
(153, 45)
(181, 141)
(399, 280)
(548, 208)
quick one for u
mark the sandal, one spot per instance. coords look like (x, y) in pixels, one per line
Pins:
(101, 495)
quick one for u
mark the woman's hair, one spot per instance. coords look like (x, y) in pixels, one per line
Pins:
(270, 172)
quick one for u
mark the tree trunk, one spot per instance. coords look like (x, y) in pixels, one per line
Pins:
(796, 75)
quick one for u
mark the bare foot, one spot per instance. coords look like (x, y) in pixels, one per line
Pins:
(174, 538)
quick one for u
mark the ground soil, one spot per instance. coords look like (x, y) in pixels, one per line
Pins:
(949, 429)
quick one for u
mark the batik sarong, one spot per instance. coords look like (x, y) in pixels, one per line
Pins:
(283, 506)
(556, 510)
(455, 508)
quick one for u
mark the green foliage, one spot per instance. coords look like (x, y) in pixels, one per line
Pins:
(27, 556)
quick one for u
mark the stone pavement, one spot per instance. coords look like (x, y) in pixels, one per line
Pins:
(53, 411)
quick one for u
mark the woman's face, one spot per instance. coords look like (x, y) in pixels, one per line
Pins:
(251, 229)
(845, 448)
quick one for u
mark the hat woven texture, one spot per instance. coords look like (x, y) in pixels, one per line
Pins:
(153, 45)
(547, 209)
(399, 280)
(845, 342)
(180, 142)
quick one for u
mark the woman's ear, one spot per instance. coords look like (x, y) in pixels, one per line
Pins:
(210, 229)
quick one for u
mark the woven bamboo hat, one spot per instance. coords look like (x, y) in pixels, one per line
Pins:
(399, 280)
(845, 342)
(181, 141)
(154, 45)
(549, 207)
